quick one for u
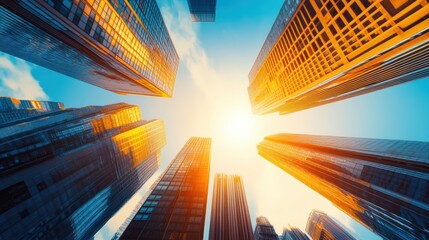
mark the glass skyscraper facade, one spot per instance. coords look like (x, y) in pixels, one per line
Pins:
(319, 52)
(293, 233)
(383, 184)
(264, 230)
(119, 45)
(176, 207)
(202, 10)
(12, 109)
(64, 174)
(322, 227)
(230, 218)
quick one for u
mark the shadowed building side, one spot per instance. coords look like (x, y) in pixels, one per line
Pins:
(176, 207)
(202, 10)
(264, 230)
(293, 233)
(320, 52)
(12, 109)
(383, 184)
(64, 174)
(121, 46)
(230, 218)
(322, 227)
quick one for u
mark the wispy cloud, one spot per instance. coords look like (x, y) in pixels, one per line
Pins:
(184, 35)
(17, 81)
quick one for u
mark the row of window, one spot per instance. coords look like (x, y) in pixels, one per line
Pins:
(123, 34)
(322, 37)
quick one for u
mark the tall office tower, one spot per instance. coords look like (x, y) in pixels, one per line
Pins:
(383, 184)
(293, 233)
(12, 109)
(176, 207)
(230, 218)
(319, 52)
(119, 45)
(64, 174)
(321, 227)
(202, 10)
(264, 230)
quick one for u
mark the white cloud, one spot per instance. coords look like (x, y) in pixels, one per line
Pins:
(17, 81)
(184, 35)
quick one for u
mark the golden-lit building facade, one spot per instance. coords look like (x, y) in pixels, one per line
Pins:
(322, 227)
(230, 217)
(64, 174)
(383, 184)
(176, 205)
(319, 52)
(119, 45)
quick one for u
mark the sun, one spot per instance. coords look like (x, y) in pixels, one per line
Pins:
(237, 126)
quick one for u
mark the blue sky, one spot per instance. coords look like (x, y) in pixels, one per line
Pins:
(210, 99)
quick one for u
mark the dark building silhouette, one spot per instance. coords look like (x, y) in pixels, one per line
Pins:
(121, 46)
(322, 227)
(176, 207)
(293, 233)
(202, 10)
(320, 52)
(264, 230)
(12, 109)
(383, 184)
(64, 174)
(230, 218)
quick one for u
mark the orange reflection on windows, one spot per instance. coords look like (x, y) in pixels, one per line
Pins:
(331, 50)
(114, 120)
(138, 143)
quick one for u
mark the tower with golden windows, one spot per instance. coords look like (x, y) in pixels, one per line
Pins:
(65, 173)
(383, 184)
(176, 205)
(122, 46)
(319, 52)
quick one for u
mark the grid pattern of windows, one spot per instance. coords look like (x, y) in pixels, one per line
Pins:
(293, 233)
(388, 193)
(333, 42)
(8, 103)
(130, 37)
(202, 10)
(64, 175)
(118, 27)
(175, 209)
(12, 109)
(321, 226)
(230, 218)
(83, 126)
(264, 230)
(286, 12)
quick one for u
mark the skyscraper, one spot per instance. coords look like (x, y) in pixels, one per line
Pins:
(176, 207)
(64, 174)
(293, 233)
(12, 109)
(319, 52)
(383, 184)
(321, 227)
(230, 218)
(202, 10)
(122, 46)
(264, 230)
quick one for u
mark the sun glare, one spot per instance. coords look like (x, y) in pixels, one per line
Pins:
(237, 126)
